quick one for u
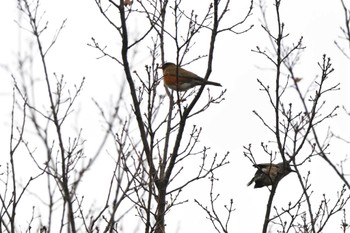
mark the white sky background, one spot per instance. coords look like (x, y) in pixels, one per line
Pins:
(226, 127)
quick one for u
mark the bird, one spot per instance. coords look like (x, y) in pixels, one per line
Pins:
(179, 79)
(269, 173)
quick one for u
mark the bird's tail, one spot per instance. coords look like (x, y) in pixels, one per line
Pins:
(212, 83)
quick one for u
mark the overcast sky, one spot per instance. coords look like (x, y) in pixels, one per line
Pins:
(226, 127)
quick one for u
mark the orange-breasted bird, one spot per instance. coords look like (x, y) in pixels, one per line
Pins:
(269, 173)
(185, 79)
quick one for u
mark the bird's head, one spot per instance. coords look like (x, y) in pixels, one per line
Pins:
(166, 65)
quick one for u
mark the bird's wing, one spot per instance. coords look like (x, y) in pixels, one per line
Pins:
(185, 75)
(188, 74)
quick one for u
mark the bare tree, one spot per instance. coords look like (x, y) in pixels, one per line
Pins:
(163, 133)
(146, 164)
(65, 162)
(146, 127)
(295, 130)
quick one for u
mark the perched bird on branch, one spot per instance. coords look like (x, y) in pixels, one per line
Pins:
(179, 79)
(269, 173)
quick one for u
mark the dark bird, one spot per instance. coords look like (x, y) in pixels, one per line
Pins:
(269, 173)
(179, 79)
